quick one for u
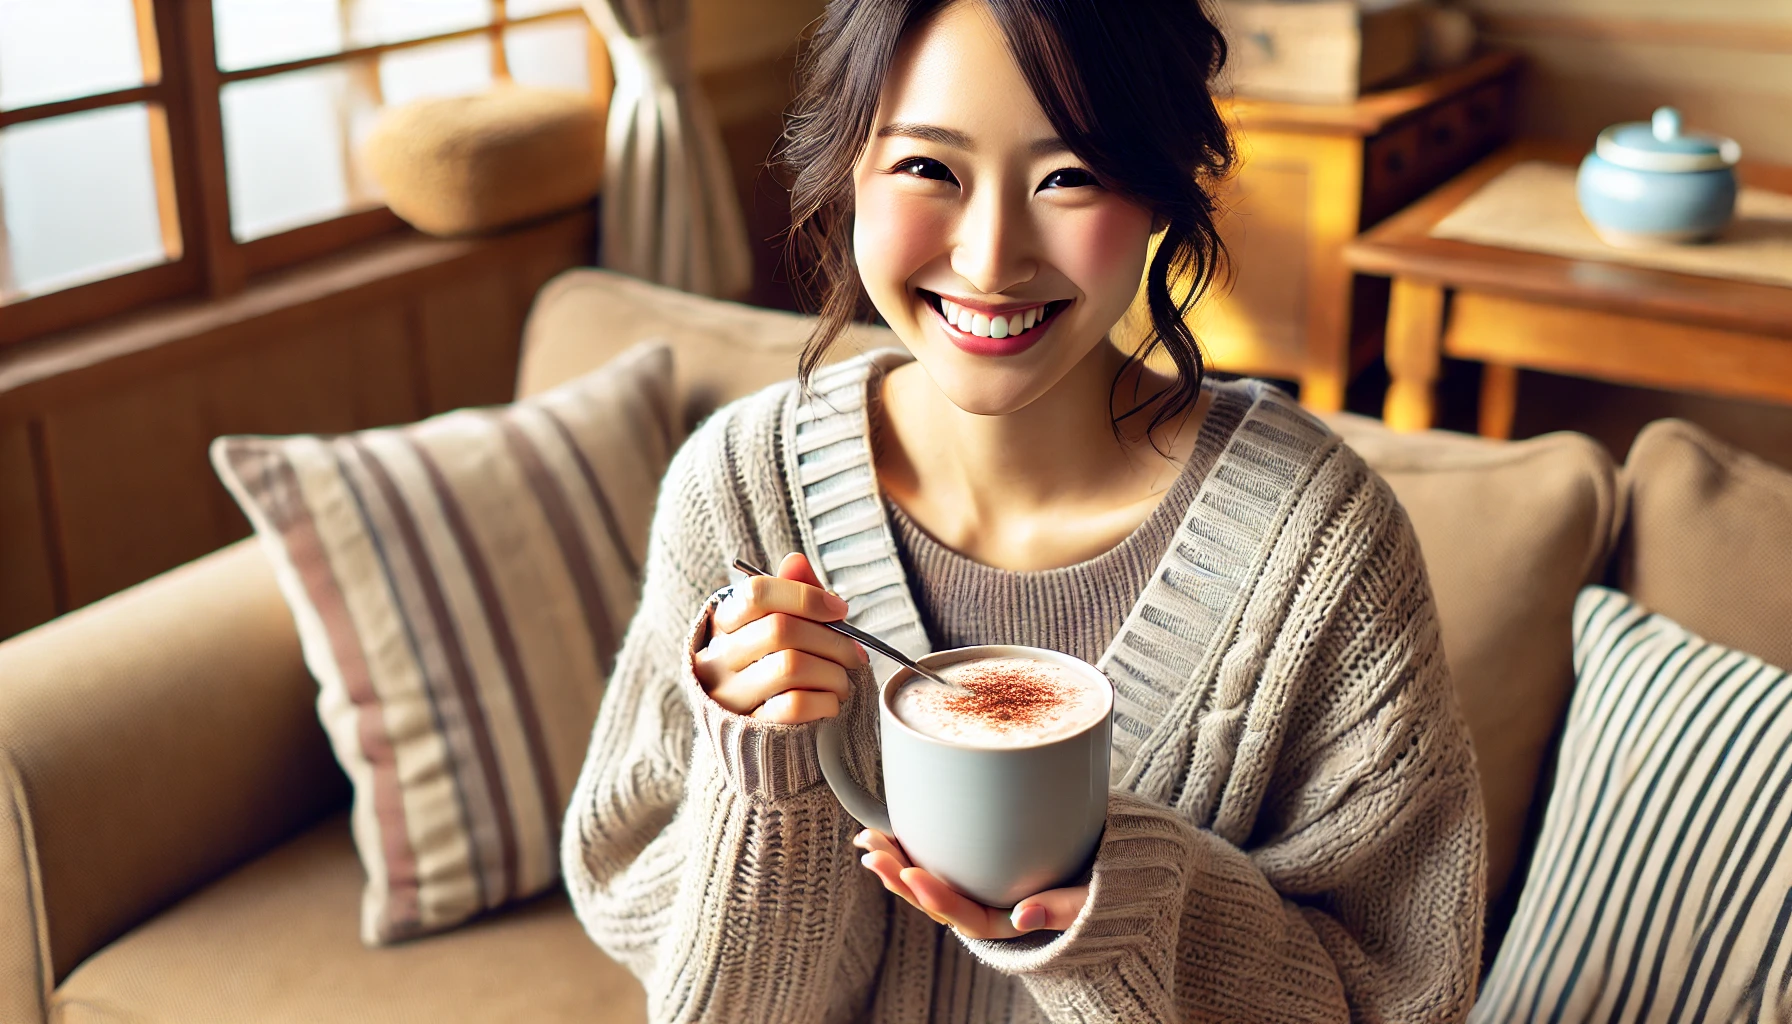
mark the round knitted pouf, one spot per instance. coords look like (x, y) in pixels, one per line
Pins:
(465, 165)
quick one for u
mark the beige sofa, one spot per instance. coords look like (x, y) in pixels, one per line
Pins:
(174, 845)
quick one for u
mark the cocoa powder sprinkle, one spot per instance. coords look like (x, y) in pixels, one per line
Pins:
(1004, 696)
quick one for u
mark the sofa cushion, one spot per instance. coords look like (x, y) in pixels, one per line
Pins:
(1661, 889)
(721, 350)
(275, 942)
(1709, 538)
(465, 165)
(460, 587)
(1510, 532)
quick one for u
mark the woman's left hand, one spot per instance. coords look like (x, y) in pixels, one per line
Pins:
(1053, 909)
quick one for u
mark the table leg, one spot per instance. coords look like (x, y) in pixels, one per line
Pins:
(1499, 400)
(1333, 166)
(1414, 352)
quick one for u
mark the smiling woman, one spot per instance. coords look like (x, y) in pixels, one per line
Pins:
(1294, 827)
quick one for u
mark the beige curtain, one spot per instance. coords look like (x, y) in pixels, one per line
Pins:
(670, 213)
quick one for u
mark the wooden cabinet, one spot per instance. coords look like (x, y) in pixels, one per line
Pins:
(1310, 178)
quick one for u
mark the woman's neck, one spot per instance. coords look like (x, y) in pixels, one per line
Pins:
(1043, 487)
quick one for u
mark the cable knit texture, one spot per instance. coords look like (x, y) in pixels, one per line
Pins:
(1295, 828)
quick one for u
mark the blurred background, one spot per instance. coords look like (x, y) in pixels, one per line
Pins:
(192, 241)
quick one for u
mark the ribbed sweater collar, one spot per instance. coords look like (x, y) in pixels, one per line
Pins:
(1078, 608)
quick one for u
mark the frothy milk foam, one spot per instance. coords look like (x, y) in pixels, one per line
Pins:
(1010, 702)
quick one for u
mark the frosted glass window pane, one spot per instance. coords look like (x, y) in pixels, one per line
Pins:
(524, 8)
(256, 33)
(458, 67)
(390, 21)
(283, 150)
(59, 49)
(80, 197)
(549, 53)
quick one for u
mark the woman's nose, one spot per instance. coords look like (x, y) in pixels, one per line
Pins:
(994, 250)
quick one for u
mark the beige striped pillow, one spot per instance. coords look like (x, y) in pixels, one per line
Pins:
(460, 587)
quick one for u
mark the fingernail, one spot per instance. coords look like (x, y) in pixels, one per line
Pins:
(864, 655)
(836, 604)
(1027, 918)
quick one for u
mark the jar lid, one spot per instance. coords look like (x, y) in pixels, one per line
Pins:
(1661, 145)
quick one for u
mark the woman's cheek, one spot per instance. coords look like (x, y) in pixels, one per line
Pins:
(1101, 249)
(894, 237)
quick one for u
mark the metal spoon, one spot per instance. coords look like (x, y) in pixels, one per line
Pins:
(887, 650)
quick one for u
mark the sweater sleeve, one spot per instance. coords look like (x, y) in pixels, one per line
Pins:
(701, 849)
(1359, 893)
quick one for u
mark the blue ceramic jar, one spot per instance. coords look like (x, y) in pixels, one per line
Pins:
(1653, 184)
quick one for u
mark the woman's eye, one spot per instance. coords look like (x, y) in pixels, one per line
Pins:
(1068, 177)
(926, 167)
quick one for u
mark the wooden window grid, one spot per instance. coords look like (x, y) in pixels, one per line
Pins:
(181, 92)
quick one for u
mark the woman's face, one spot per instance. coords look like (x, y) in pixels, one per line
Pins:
(973, 221)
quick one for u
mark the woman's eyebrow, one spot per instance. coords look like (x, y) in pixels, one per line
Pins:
(959, 140)
(926, 132)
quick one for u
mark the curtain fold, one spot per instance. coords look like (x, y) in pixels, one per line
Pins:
(670, 212)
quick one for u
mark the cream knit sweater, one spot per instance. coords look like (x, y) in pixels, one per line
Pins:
(1295, 830)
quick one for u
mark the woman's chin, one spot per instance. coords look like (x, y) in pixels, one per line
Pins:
(985, 393)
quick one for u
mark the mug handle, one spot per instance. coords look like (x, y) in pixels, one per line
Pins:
(870, 811)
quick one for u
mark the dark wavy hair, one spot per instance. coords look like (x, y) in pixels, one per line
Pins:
(1124, 83)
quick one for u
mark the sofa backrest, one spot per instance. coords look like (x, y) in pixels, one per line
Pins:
(1511, 531)
(721, 350)
(1708, 539)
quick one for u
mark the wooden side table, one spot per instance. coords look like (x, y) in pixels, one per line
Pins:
(1606, 321)
(1311, 177)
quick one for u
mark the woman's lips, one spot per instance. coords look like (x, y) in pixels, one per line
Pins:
(980, 339)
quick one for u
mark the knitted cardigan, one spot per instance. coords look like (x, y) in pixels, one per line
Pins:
(1295, 829)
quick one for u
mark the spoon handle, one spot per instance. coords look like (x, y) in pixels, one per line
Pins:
(868, 639)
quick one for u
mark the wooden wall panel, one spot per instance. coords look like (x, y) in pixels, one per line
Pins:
(376, 359)
(414, 328)
(1727, 64)
(27, 582)
(533, 269)
(472, 332)
(130, 474)
(285, 385)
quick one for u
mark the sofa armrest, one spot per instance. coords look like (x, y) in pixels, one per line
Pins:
(148, 743)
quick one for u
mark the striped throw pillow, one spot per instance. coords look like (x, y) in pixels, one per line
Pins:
(1661, 888)
(460, 586)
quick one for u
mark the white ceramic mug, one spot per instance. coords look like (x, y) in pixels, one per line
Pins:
(996, 824)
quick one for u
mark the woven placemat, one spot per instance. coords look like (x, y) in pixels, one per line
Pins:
(1531, 206)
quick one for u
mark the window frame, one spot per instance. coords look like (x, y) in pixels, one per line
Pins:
(182, 89)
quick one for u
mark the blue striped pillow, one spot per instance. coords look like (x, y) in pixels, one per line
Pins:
(1661, 888)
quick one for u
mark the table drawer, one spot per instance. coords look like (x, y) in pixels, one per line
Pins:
(1417, 154)
(1392, 170)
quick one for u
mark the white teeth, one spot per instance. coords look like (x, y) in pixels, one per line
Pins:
(985, 326)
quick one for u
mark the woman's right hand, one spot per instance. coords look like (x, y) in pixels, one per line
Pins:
(769, 656)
